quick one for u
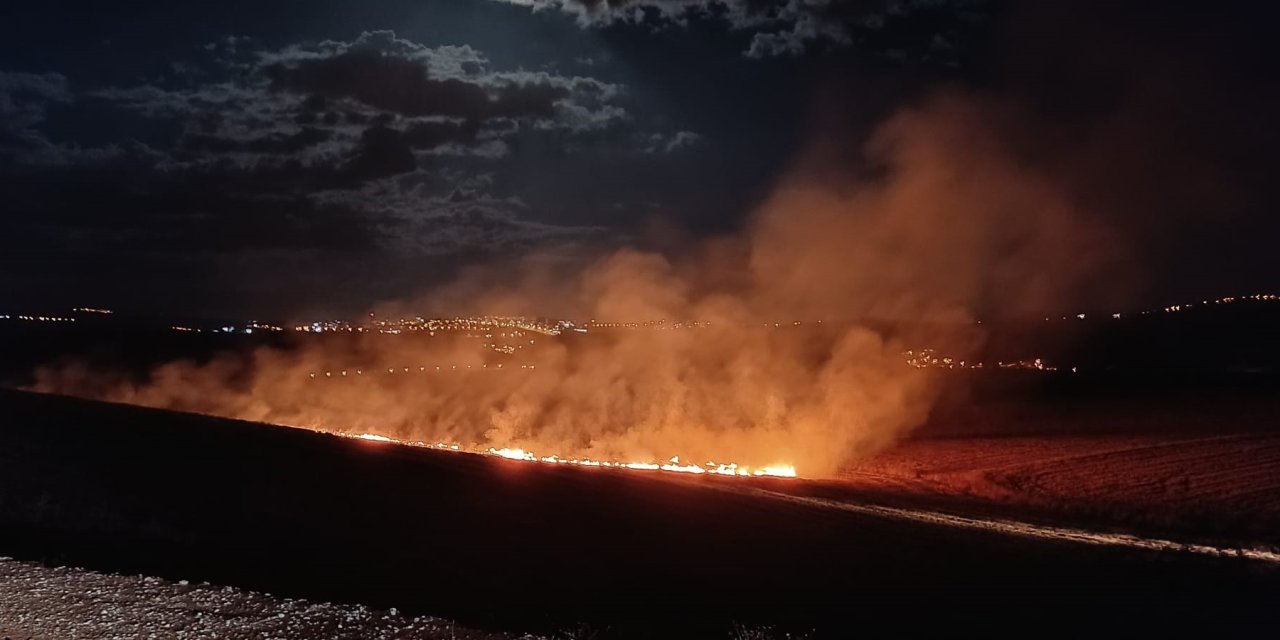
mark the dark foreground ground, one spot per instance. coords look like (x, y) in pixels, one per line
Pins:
(69, 603)
(517, 546)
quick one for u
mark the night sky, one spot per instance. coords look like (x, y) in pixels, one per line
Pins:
(287, 158)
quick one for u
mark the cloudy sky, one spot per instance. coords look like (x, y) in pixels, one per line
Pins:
(295, 157)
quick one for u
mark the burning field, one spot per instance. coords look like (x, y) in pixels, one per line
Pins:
(629, 319)
(758, 427)
(777, 349)
(515, 545)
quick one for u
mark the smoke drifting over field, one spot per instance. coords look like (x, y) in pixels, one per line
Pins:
(948, 223)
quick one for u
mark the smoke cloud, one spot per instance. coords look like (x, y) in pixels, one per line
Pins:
(804, 317)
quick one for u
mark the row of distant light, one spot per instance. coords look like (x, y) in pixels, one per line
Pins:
(256, 326)
(1257, 297)
(417, 324)
(672, 465)
(647, 324)
(692, 324)
(437, 324)
(38, 318)
(360, 372)
(228, 329)
(927, 358)
(1173, 308)
(420, 324)
(350, 329)
(32, 318)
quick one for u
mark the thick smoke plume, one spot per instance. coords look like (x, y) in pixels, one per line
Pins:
(948, 223)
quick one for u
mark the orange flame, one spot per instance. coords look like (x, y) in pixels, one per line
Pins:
(673, 465)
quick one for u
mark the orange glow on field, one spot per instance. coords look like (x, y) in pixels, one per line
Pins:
(672, 465)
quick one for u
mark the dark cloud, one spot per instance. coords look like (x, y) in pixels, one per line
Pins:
(898, 28)
(432, 134)
(377, 147)
(405, 87)
(659, 143)
(378, 152)
(382, 152)
(24, 102)
(311, 103)
(271, 143)
(183, 211)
